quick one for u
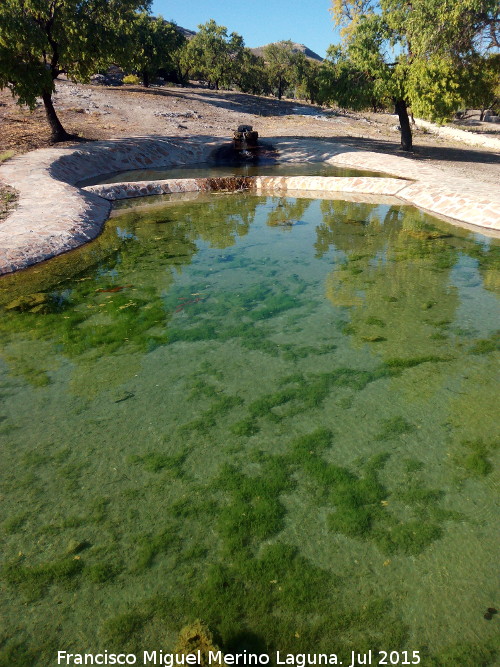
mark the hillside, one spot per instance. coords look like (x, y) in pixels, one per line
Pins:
(259, 50)
(188, 34)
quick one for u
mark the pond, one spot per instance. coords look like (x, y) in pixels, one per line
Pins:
(219, 170)
(275, 415)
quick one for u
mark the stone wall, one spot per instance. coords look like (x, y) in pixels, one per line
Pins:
(54, 215)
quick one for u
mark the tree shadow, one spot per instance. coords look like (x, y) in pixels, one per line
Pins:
(229, 100)
(324, 149)
(422, 151)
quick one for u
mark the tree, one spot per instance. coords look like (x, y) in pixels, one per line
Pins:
(40, 39)
(417, 51)
(309, 83)
(484, 84)
(155, 42)
(348, 85)
(213, 55)
(282, 63)
(251, 76)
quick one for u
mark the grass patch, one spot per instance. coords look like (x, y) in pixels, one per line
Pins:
(375, 321)
(253, 512)
(6, 155)
(410, 538)
(117, 632)
(361, 502)
(411, 362)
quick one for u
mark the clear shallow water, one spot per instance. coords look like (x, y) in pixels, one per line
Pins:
(274, 415)
(250, 169)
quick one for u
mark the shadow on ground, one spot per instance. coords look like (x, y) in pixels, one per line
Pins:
(422, 151)
(238, 102)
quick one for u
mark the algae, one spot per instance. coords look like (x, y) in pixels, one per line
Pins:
(274, 515)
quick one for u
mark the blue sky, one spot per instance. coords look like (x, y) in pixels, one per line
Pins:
(259, 21)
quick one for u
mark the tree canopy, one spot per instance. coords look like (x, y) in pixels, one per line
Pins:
(420, 53)
(213, 55)
(284, 65)
(155, 43)
(40, 39)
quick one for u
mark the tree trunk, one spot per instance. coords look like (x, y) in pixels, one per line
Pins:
(145, 79)
(404, 124)
(58, 133)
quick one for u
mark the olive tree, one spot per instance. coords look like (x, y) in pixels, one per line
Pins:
(213, 55)
(155, 43)
(417, 52)
(283, 65)
(41, 39)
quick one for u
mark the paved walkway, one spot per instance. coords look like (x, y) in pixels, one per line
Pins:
(54, 215)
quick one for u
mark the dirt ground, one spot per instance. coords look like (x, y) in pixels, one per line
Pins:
(98, 112)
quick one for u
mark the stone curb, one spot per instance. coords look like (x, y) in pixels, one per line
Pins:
(467, 137)
(54, 215)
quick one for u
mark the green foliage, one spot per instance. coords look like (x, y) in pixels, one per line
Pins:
(284, 65)
(39, 41)
(252, 76)
(156, 46)
(436, 88)
(429, 55)
(131, 79)
(213, 55)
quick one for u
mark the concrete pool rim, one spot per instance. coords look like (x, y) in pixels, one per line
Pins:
(54, 215)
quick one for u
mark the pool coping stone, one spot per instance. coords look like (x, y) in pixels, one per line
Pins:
(55, 215)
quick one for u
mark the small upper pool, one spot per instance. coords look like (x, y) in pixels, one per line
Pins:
(210, 170)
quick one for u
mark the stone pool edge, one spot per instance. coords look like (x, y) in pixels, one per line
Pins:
(54, 215)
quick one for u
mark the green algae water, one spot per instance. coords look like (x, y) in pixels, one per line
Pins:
(278, 416)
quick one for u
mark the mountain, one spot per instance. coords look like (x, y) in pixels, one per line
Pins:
(259, 51)
(188, 34)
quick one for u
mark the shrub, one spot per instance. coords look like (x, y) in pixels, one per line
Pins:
(132, 79)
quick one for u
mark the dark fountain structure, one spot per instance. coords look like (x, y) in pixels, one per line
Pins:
(245, 149)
